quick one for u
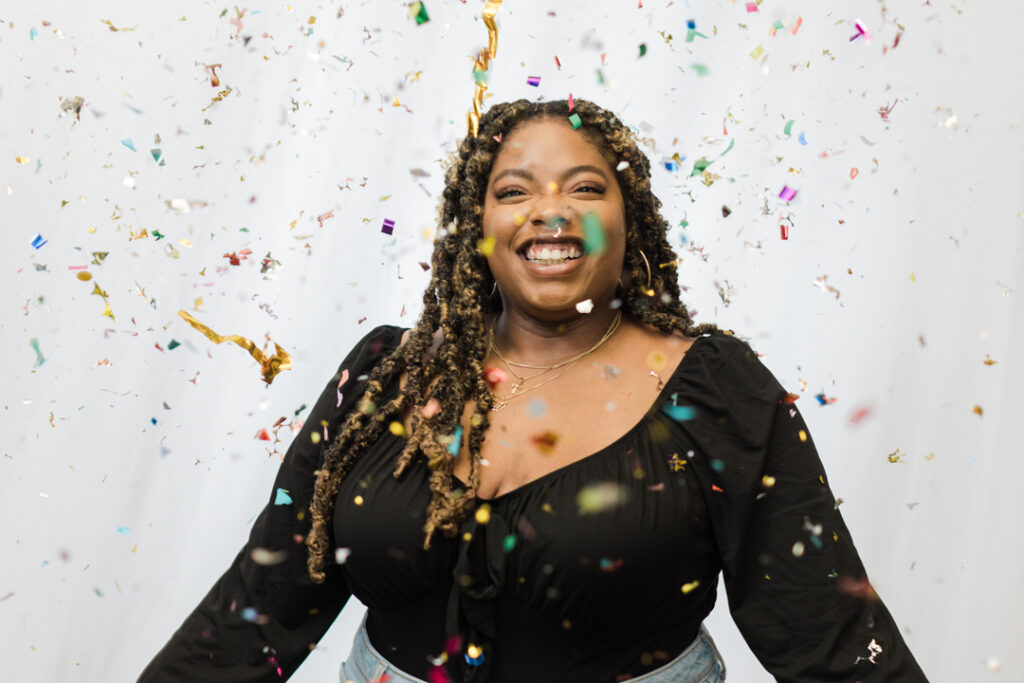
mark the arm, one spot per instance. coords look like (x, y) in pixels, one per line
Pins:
(797, 588)
(261, 619)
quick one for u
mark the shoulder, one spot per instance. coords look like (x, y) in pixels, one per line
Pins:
(435, 344)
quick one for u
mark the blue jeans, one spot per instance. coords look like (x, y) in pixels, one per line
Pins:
(700, 662)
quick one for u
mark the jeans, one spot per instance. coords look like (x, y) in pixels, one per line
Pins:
(700, 662)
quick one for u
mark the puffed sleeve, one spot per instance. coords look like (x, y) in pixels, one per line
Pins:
(797, 589)
(261, 619)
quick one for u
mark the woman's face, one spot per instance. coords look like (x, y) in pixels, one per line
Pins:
(546, 178)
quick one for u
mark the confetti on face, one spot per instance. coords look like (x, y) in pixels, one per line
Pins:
(585, 306)
(594, 240)
(486, 245)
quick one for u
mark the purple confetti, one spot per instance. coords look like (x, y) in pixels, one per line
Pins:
(533, 80)
(787, 193)
(389, 226)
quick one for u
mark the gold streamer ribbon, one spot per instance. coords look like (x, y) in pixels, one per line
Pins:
(270, 366)
(480, 66)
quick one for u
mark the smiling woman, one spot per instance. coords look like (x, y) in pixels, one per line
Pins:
(544, 478)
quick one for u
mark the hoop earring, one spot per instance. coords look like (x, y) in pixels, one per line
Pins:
(647, 264)
(494, 288)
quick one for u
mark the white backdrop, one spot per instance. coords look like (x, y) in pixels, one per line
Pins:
(130, 470)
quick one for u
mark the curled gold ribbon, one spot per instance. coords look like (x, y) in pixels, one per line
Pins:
(480, 65)
(270, 365)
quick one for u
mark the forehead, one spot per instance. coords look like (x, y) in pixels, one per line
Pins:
(547, 142)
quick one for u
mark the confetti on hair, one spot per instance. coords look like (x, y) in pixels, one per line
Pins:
(576, 121)
(456, 442)
(270, 366)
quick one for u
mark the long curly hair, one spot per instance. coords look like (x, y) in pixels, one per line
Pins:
(456, 302)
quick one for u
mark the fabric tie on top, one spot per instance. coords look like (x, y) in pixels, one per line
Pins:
(477, 579)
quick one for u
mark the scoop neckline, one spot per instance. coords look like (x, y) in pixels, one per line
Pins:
(613, 446)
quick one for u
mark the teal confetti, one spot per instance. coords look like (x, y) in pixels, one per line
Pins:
(480, 76)
(643, 49)
(701, 69)
(158, 156)
(600, 77)
(123, 530)
(732, 143)
(282, 498)
(509, 543)
(788, 130)
(127, 142)
(33, 33)
(419, 12)
(39, 354)
(699, 166)
(594, 241)
(173, 345)
(456, 444)
(679, 413)
(537, 407)
(576, 121)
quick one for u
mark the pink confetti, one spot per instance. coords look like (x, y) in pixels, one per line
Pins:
(787, 193)
(572, 104)
(494, 376)
(862, 32)
(533, 80)
(324, 216)
(344, 378)
(751, 7)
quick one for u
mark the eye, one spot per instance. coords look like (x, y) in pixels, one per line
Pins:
(507, 192)
(590, 188)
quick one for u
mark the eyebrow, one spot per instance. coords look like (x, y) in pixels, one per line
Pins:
(523, 173)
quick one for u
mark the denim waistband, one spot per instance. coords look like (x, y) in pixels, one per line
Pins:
(700, 662)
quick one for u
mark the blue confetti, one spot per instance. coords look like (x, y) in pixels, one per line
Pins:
(250, 614)
(456, 444)
(537, 407)
(679, 413)
(803, 140)
(123, 530)
(33, 33)
(282, 498)
(691, 24)
(38, 241)
(127, 142)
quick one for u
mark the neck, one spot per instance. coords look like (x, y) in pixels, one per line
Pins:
(524, 339)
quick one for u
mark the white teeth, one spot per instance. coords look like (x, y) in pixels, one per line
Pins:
(545, 253)
(548, 254)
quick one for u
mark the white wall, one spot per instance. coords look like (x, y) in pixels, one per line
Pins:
(114, 527)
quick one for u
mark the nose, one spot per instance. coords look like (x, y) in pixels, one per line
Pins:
(550, 212)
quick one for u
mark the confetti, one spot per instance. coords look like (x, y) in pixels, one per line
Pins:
(787, 193)
(341, 555)
(689, 587)
(418, 12)
(977, 411)
(388, 227)
(480, 66)
(643, 50)
(751, 7)
(456, 442)
(575, 120)
(281, 497)
(38, 242)
(594, 241)
(494, 376)
(862, 32)
(802, 138)
(545, 442)
(39, 354)
(601, 497)
(533, 80)
(127, 142)
(268, 558)
(483, 514)
(585, 306)
(270, 366)
(486, 245)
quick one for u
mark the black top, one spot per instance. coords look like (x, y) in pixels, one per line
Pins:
(602, 569)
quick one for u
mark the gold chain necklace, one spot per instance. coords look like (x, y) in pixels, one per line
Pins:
(502, 401)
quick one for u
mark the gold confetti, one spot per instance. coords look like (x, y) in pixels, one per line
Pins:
(270, 366)
(803, 435)
(657, 360)
(483, 514)
(486, 245)
(358, 500)
(978, 410)
(481, 64)
(688, 587)
(768, 481)
(989, 361)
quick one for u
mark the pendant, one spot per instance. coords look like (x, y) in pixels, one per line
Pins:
(499, 405)
(517, 386)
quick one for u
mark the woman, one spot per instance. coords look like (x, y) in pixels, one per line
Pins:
(542, 480)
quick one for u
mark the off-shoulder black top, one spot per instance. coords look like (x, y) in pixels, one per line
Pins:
(601, 570)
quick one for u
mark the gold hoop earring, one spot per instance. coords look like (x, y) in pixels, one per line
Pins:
(647, 264)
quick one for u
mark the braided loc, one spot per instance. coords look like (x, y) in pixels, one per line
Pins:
(440, 385)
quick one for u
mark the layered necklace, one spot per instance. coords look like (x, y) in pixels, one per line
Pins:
(517, 388)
